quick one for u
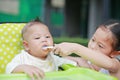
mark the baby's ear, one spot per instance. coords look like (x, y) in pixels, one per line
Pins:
(25, 44)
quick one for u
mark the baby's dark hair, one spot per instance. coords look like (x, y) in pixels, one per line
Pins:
(37, 19)
(114, 27)
(29, 24)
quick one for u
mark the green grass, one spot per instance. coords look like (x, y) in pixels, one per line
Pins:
(73, 40)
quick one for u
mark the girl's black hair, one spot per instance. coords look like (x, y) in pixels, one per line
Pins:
(114, 26)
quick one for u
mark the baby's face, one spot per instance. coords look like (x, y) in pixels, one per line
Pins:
(38, 36)
(102, 42)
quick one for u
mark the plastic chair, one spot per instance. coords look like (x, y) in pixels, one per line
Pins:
(10, 42)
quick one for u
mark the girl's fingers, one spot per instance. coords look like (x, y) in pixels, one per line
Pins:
(59, 51)
(62, 49)
(56, 50)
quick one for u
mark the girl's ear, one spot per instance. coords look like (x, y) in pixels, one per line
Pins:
(25, 44)
(115, 53)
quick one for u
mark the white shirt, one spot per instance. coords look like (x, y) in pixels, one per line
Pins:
(51, 63)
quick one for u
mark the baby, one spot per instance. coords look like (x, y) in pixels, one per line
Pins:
(37, 57)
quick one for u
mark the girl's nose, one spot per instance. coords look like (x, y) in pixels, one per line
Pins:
(93, 46)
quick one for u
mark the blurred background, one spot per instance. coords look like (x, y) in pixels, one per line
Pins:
(65, 18)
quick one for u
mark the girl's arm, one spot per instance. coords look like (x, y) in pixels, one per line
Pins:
(96, 58)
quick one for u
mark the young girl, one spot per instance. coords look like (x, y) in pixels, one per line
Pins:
(102, 49)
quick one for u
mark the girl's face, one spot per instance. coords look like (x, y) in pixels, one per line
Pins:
(102, 41)
(38, 36)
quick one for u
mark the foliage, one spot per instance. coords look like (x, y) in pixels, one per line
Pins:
(69, 39)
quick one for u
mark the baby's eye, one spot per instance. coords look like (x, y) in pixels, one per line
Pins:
(47, 36)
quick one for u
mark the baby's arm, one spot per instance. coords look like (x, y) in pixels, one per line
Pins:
(32, 71)
(17, 66)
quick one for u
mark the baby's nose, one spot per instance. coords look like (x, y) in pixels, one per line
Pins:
(44, 39)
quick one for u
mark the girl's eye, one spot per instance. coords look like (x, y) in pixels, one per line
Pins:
(93, 40)
(100, 46)
(37, 38)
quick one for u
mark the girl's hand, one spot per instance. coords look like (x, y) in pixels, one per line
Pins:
(64, 49)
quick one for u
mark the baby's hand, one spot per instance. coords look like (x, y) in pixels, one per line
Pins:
(32, 71)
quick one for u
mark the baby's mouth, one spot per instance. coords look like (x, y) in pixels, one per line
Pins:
(47, 47)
